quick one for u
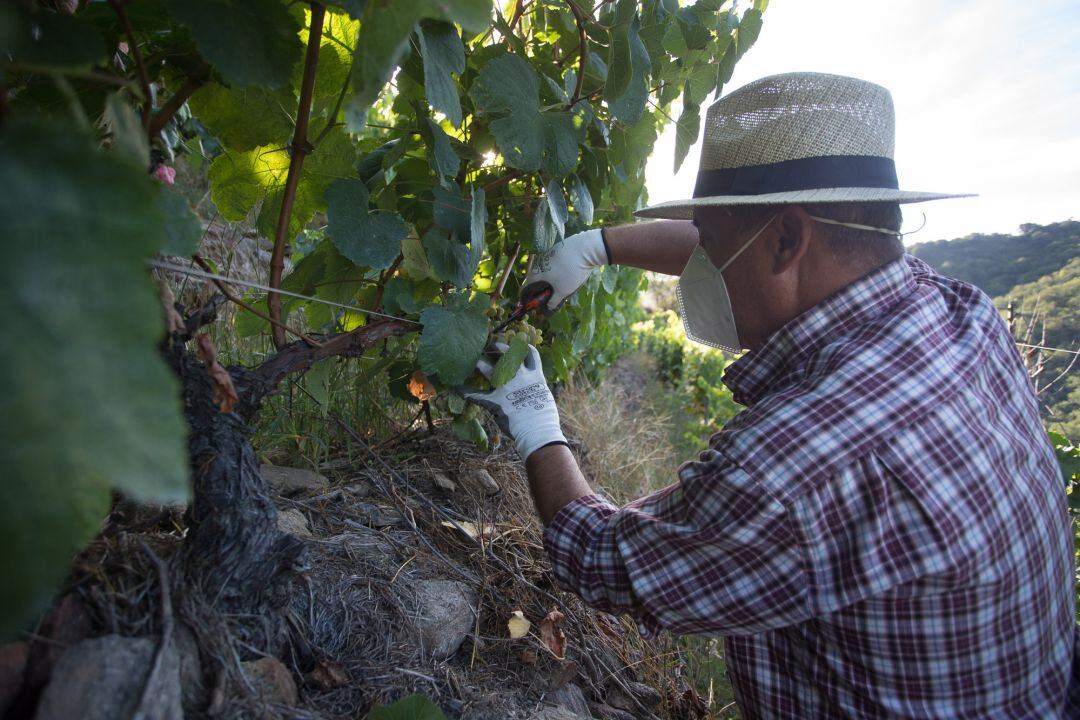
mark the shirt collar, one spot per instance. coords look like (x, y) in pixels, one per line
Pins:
(776, 361)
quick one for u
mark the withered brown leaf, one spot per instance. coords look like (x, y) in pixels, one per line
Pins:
(225, 396)
(550, 634)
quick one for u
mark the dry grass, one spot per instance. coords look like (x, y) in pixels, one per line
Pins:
(624, 439)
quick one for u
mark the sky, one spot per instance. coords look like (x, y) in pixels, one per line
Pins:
(987, 97)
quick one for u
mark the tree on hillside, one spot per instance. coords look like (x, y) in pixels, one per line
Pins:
(997, 262)
(1047, 314)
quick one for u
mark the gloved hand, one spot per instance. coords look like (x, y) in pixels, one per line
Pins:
(523, 408)
(567, 266)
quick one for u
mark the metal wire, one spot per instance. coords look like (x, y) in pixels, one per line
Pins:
(161, 265)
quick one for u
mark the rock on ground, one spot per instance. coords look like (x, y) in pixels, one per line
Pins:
(557, 713)
(292, 521)
(272, 680)
(445, 614)
(103, 679)
(570, 697)
(481, 480)
(286, 480)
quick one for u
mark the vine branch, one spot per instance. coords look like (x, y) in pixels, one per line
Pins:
(300, 149)
(583, 50)
(133, 47)
(233, 298)
(506, 273)
(194, 81)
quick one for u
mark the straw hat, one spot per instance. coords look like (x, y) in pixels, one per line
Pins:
(797, 138)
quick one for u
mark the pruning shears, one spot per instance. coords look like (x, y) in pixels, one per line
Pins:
(537, 296)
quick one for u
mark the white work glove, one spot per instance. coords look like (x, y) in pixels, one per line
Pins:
(523, 408)
(567, 266)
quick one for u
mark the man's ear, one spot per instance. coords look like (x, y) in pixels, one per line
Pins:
(794, 231)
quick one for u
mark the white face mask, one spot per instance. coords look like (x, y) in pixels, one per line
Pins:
(703, 299)
(704, 303)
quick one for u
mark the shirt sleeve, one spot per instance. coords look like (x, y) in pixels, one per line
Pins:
(711, 554)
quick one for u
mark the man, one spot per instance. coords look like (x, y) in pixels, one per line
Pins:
(883, 531)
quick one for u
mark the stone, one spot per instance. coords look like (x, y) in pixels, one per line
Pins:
(271, 680)
(444, 483)
(445, 615)
(286, 480)
(103, 679)
(13, 658)
(606, 712)
(556, 712)
(65, 624)
(292, 521)
(480, 479)
(379, 516)
(570, 697)
(194, 692)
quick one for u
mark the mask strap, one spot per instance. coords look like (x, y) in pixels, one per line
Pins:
(883, 231)
(747, 244)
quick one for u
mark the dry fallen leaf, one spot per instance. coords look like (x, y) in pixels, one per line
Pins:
(328, 676)
(173, 322)
(552, 637)
(471, 529)
(518, 625)
(225, 396)
(420, 387)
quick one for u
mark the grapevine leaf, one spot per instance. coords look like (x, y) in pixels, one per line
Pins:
(686, 132)
(444, 161)
(128, 136)
(63, 41)
(562, 134)
(545, 233)
(451, 341)
(508, 89)
(415, 263)
(619, 58)
(443, 54)
(629, 106)
(383, 42)
(749, 29)
(250, 42)
(509, 362)
(238, 181)
(449, 259)
(245, 117)
(478, 218)
(413, 707)
(582, 199)
(701, 82)
(674, 42)
(305, 204)
(456, 403)
(183, 231)
(369, 239)
(609, 277)
(469, 430)
(557, 206)
(452, 211)
(87, 404)
(726, 66)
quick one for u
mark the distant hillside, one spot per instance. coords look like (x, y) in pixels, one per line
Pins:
(1056, 298)
(997, 262)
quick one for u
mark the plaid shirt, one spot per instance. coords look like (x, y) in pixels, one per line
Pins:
(883, 531)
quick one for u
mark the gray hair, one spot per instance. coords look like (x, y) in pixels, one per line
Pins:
(864, 248)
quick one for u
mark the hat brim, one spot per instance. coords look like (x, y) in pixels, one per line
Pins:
(684, 209)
